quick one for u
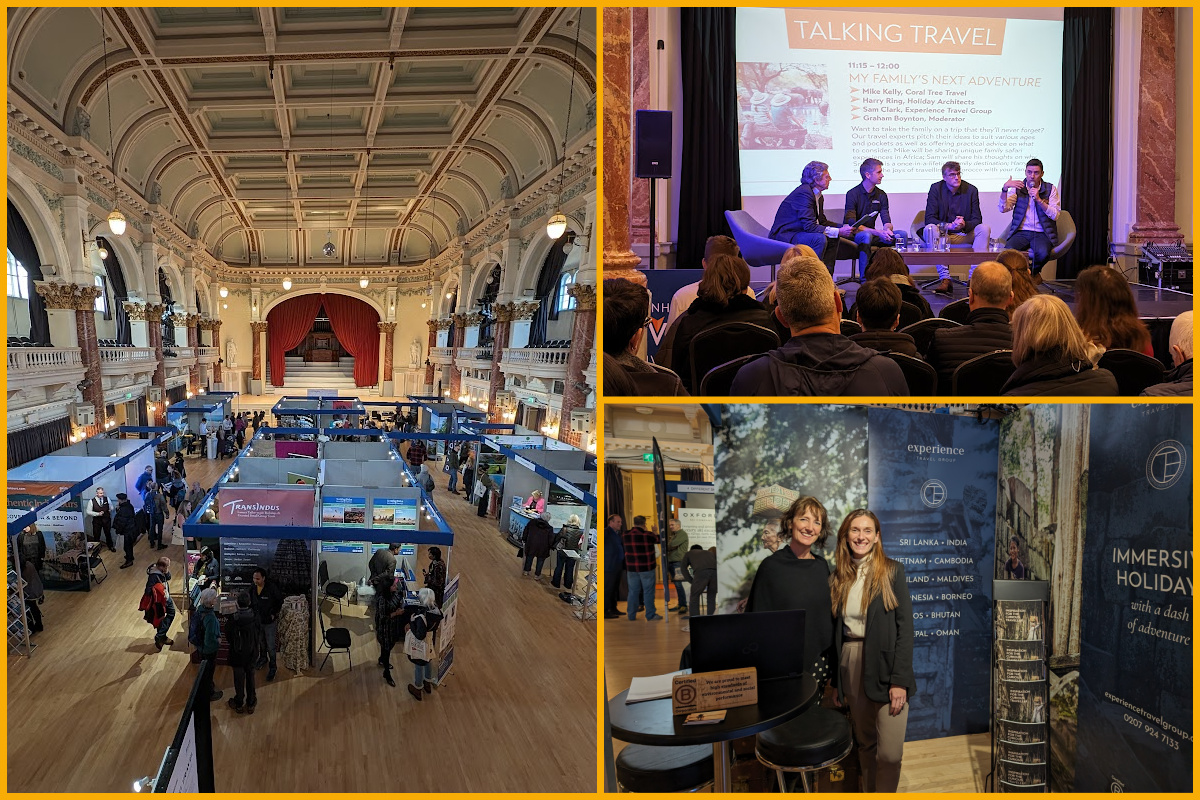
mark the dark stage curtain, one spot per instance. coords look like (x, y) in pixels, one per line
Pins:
(1087, 134)
(287, 325)
(20, 242)
(710, 175)
(30, 443)
(116, 281)
(355, 324)
(614, 493)
(547, 292)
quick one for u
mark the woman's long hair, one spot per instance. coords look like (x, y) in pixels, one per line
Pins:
(1107, 312)
(725, 277)
(881, 569)
(1023, 287)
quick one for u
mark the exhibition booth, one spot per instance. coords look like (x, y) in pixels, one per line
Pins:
(187, 415)
(313, 522)
(1048, 560)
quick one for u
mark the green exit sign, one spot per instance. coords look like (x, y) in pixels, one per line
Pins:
(648, 457)
(129, 395)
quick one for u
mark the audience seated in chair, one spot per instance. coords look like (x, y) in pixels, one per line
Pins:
(987, 326)
(1107, 312)
(683, 297)
(877, 309)
(626, 311)
(1053, 357)
(1022, 279)
(1178, 381)
(817, 359)
(888, 263)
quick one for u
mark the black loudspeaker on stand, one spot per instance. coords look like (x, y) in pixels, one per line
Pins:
(652, 155)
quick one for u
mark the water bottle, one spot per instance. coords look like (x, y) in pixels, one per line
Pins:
(942, 244)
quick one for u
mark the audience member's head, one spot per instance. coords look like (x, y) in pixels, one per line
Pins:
(991, 286)
(1106, 310)
(877, 304)
(1023, 287)
(797, 250)
(639, 521)
(1181, 338)
(806, 294)
(886, 262)
(813, 171)
(719, 246)
(626, 306)
(1043, 327)
(724, 278)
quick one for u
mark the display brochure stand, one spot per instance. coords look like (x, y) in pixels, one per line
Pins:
(18, 621)
(1020, 687)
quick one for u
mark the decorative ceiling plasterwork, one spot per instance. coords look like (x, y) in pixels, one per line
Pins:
(435, 104)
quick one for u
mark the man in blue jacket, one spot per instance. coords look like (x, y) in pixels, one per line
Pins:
(801, 218)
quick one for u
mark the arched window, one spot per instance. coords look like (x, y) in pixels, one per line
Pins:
(18, 278)
(565, 300)
(102, 298)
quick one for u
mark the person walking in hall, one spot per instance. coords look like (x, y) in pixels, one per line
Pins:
(642, 564)
(677, 547)
(239, 430)
(488, 486)
(452, 465)
(614, 564)
(99, 511)
(267, 600)
(873, 632)
(155, 503)
(435, 575)
(389, 610)
(539, 535)
(177, 463)
(210, 628)
(33, 546)
(35, 593)
(416, 453)
(125, 524)
(242, 634)
(424, 621)
(425, 479)
(157, 602)
(700, 570)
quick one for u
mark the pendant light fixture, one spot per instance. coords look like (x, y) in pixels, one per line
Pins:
(116, 220)
(364, 281)
(287, 200)
(330, 250)
(556, 226)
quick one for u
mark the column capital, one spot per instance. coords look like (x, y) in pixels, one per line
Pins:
(526, 309)
(387, 327)
(505, 312)
(135, 311)
(258, 327)
(585, 296)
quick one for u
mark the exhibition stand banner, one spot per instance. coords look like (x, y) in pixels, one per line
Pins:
(701, 526)
(287, 561)
(1135, 674)
(766, 456)
(932, 483)
(260, 506)
(445, 634)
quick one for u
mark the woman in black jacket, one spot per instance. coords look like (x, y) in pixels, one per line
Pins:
(873, 630)
(794, 578)
(1052, 355)
(389, 607)
(720, 299)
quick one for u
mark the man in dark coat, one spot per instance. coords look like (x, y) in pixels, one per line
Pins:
(383, 561)
(539, 535)
(818, 360)
(1178, 381)
(801, 218)
(614, 564)
(877, 308)
(125, 523)
(242, 634)
(987, 327)
(267, 601)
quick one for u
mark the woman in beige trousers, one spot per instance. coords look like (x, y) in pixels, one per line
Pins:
(874, 635)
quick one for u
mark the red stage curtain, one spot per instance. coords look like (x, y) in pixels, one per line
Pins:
(287, 325)
(355, 324)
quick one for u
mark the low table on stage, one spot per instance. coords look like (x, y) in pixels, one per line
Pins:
(652, 723)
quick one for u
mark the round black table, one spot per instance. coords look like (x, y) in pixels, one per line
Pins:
(652, 723)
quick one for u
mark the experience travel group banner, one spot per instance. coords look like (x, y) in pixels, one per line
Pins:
(932, 482)
(1135, 674)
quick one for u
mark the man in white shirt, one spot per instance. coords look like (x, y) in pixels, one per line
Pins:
(1033, 225)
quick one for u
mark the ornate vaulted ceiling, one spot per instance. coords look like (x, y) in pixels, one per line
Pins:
(265, 132)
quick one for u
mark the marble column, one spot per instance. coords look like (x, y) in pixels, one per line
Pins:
(257, 331)
(1156, 131)
(215, 326)
(81, 301)
(388, 329)
(639, 79)
(504, 316)
(583, 333)
(154, 313)
(433, 329)
(460, 336)
(617, 111)
(193, 340)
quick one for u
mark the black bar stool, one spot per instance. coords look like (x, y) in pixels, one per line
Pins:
(814, 740)
(644, 768)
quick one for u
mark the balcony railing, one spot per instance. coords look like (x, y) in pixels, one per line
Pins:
(474, 357)
(44, 359)
(121, 356)
(537, 356)
(208, 354)
(181, 352)
(441, 355)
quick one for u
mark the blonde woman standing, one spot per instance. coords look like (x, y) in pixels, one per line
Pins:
(874, 635)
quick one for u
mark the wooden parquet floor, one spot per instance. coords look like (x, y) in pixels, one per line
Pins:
(96, 706)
